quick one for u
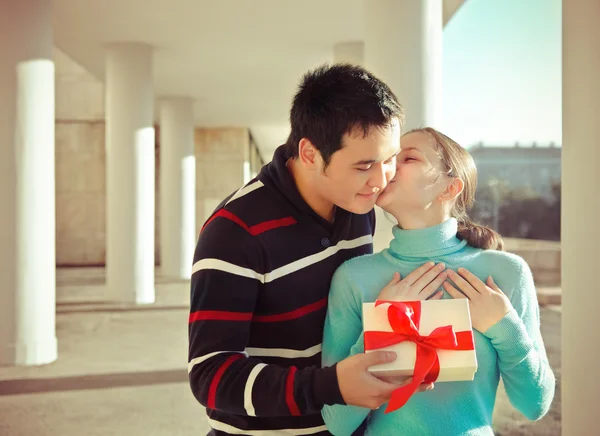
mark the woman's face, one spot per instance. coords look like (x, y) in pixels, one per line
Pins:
(420, 177)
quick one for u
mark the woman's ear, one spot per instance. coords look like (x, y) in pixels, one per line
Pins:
(453, 190)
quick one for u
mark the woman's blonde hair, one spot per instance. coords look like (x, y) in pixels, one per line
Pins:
(458, 163)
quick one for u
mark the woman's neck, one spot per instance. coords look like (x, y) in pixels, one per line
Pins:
(426, 243)
(420, 219)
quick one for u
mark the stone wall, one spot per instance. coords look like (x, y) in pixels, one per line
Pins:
(220, 156)
(81, 175)
(80, 164)
(543, 257)
(80, 193)
(225, 159)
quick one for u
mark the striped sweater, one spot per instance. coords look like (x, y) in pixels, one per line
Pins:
(262, 270)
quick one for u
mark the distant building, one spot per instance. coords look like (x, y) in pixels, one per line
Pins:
(527, 166)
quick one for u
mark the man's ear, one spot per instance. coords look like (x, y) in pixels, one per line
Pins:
(308, 155)
(453, 190)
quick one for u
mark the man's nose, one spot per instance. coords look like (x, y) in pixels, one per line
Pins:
(379, 180)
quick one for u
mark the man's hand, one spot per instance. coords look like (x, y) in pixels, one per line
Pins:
(358, 386)
(401, 381)
(418, 285)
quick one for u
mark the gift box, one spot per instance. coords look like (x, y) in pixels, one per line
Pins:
(433, 341)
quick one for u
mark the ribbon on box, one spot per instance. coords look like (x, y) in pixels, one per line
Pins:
(404, 318)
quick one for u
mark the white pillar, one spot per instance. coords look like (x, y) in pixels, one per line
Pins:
(349, 52)
(403, 47)
(580, 236)
(27, 184)
(130, 172)
(177, 187)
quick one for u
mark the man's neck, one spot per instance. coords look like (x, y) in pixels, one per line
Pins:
(322, 207)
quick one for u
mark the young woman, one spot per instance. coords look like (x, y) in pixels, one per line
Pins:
(429, 197)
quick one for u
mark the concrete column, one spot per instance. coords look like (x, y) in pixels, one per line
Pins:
(130, 172)
(349, 52)
(247, 163)
(27, 184)
(403, 47)
(580, 236)
(177, 187)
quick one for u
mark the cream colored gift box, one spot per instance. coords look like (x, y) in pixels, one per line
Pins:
(455, 365)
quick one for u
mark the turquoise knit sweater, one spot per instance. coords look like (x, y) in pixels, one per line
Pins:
(512, 348)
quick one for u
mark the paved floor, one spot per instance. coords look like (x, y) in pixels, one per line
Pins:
(122, 370)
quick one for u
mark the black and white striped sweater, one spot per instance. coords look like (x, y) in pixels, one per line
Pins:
(262, 269)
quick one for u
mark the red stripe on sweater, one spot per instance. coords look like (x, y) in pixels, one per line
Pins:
(256, 229)
(289, 392)
(230, 216)
(273, 224)
(214, 384)
(219, 315)
(294, 314)
(210, 220)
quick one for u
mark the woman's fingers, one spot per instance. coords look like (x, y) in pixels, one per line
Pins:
(429, 277)
(492, 284)
(454, 293)
(463, 285)
(389, 290)
(472, 279)
(435, 284)
(418, 273)
(437, 296)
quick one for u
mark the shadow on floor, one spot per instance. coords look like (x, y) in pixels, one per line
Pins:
(90, 382)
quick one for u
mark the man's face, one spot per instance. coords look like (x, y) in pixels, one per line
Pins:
(361, 169)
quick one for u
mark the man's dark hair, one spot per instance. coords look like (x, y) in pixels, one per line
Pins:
(334, 100)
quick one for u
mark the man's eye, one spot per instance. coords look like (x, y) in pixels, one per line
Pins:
(367, 168)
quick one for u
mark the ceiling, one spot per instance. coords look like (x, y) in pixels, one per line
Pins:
(239, 60)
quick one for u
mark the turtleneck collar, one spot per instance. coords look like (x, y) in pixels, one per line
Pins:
(429, 242)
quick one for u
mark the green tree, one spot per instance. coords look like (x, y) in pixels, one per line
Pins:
(519, 212)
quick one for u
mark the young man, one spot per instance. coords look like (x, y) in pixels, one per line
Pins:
(265, 258)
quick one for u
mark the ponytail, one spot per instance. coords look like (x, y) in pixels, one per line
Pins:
(479, 236)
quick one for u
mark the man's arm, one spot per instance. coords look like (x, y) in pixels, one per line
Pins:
(226, 282)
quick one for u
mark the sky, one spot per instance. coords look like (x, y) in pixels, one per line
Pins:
(502, 73)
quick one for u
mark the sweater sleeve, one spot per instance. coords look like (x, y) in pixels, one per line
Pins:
(225, 285)
(342, 337)
(526, 373)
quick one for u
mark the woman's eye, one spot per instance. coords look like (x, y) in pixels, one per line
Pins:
(408, 158)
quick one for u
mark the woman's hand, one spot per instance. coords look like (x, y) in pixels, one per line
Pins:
(418, 285)
(487, 303)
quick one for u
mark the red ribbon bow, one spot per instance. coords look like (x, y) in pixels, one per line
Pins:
(405, 318)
